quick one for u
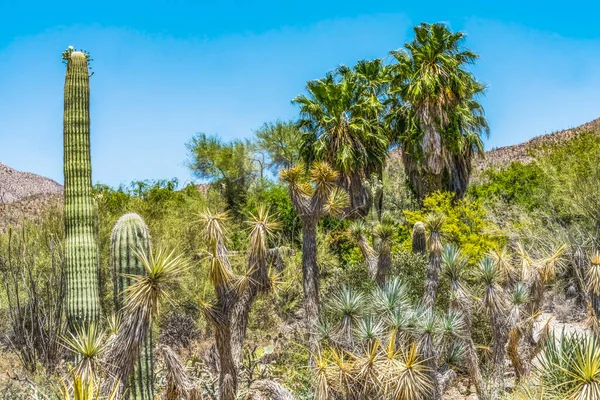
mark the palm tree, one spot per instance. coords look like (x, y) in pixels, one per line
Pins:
(433, 110)
(340, 117)
(312, 201)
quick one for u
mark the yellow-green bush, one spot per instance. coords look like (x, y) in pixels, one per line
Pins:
(465, 225)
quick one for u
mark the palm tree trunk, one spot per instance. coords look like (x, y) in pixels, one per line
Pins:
(310, 273)
(360, 200)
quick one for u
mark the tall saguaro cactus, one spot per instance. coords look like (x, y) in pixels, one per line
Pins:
(81, 248)
(129, 234)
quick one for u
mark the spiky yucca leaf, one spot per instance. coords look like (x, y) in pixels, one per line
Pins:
(411, 379)
(350, 304)
(528, 265)
(214, 225)
(385, 232)
(490, 275)
(83, 389)
(570, 365)
(454, 268)
(341, 371)
(87, 343)
(400, 324)
(293, 175)
(455, 355)
(358, 229)
(453, 326)
(367, 371)
(324, 177)
(337, 201)
(163, 269)
(550, 265)
(113, 323)
(321, 383)
(392, 295)
(369, 328)
(211, 312)
(262, 228)
(325, 330)
(502, 257)
(520, 297)
(593, 274)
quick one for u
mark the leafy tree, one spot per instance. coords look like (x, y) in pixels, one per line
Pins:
(339, 118)
(281, 141)
(434, 111)
(230, 166)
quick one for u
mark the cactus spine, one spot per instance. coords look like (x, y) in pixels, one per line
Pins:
(81, 248)
(419, 241)
(131, 233)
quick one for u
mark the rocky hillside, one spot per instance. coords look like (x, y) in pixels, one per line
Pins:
(16, 185)
(521, 152)
(23, 194)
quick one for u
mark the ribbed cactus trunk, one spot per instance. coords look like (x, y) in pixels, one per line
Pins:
(81, 248)
(419, 241)
(131, 233)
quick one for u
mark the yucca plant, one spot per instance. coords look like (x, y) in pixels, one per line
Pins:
(569, 367)
(379, 259)
(235, 293)
(88, 344)
(434, 224)
(313, 199)
(350, 304)
(494, 304)
(593, 285)
(83, 389)
(143, 299)
(372, 371)
(454, 266)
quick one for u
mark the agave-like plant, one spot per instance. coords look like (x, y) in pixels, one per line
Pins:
(82, 389)
(350, 304)
(143, 299)
(568, 367)
(88, 344)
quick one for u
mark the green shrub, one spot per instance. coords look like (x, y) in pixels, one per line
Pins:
(465, 225)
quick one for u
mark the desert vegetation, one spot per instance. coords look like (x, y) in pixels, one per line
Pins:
(352, 253)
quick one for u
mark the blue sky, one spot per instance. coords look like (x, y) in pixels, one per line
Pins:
(164, 71)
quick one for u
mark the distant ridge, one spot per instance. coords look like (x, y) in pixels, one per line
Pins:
(520, 152)
(16, 185)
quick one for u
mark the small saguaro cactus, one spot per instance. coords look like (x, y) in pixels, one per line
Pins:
(81, 247)
(130, 234)
(419, 241)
